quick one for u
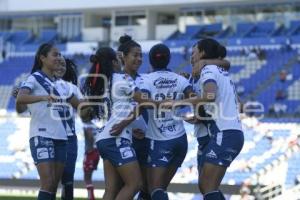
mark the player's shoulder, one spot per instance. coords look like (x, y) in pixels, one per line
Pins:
(151, 76)
(209, 68)
(73, 86)
(122, 77)
(31, 77)
(143, 76)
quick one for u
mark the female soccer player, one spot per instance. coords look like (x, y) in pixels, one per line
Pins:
(131, 58)
(66, 72)
(67, 76)
(220, 102)
(91, 157)
(115, 147)
(48, 133)
(166, 135)
(47, 136)
(201, 126)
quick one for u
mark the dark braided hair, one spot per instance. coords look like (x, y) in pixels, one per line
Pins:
(43, 50)
(102, 63)
(71, 73)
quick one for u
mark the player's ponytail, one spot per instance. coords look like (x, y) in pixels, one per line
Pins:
(102, 64)
(71, 73)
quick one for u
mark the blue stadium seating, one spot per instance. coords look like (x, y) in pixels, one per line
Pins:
(246, 35)
(293, 169)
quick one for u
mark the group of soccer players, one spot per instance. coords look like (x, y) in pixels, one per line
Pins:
(142, 142)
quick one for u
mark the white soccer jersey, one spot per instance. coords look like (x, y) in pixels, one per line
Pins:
(69, 89)
(226, 104)
(46, 118)
(164, 85)
(200, 130)
(120, 95)
(140, 122)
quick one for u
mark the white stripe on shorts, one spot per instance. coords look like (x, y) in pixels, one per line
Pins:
(219, 138)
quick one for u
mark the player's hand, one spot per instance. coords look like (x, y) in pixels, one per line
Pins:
(48, 98)
(185, 74)
(191, 120)
(117, 128)
(86, 114)
(15, 92)
(138, 133)
(197, 67)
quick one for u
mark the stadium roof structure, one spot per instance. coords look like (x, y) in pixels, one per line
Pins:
(29, 6)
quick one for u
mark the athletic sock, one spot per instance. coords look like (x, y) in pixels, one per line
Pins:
(144, 195)
(214, 195)
(44, 195)
(67, 192)
(159, 194)
(90, 190)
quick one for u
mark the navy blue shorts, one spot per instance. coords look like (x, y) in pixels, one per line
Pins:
(202, 143)
(48, 150)
(117, 150)
(223, 147)
(167, 152)
(69, 170)
(141, 147)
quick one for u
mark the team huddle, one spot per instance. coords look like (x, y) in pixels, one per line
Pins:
(141, 139)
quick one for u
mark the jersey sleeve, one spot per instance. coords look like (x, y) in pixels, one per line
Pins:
(185, 84)
(145, 86)
(29, 83)
(208, 74)
(77, 92)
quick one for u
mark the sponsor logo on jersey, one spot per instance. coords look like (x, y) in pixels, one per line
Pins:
(165, 83)
(164, 128)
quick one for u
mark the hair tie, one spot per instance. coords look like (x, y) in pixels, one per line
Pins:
(158, 55)
(97, 71)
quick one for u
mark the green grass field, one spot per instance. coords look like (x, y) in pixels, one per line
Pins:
(27, 198)
(16, 198)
